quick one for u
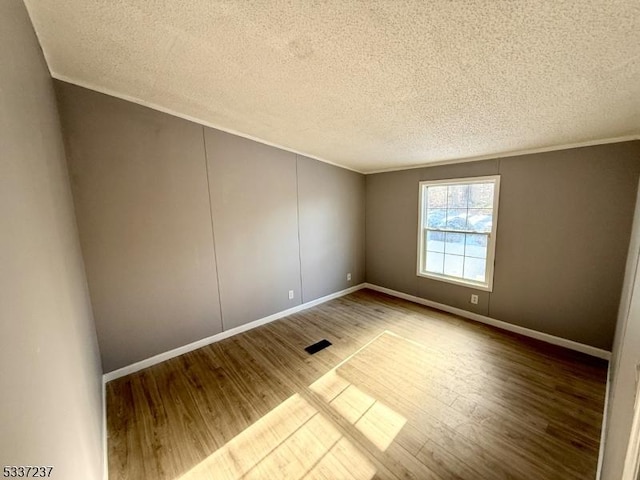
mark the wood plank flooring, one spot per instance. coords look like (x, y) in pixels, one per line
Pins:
(404, 392)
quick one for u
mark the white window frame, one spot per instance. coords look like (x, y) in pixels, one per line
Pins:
(491, 243)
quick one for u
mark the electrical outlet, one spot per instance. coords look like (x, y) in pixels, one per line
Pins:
(348, 277)
(474, 299)
(290, 294)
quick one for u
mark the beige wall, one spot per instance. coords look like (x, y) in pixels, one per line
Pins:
(187, 231)
(563, 232)
(50, 374)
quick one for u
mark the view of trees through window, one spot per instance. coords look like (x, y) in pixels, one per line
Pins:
(457, 222)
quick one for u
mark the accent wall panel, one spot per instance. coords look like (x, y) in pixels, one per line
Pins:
(331, 202)
(255, 217)
(141, 197)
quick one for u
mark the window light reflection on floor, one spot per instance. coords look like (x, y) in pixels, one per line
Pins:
(296, 441)
(379, 423)
(292, 441)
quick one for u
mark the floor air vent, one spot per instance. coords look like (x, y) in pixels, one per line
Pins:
(316, 347)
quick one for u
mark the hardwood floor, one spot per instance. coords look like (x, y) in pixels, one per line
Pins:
(404, 392)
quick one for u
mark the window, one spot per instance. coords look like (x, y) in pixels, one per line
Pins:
(457, 234)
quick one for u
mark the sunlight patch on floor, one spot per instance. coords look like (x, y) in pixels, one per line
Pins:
(295, 441)
(292, 441)
(379, 423)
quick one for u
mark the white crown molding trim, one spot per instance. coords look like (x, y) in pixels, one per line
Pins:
(161, 357)
(435, 163)
(199, 121)
(514, 153)
(527, 332)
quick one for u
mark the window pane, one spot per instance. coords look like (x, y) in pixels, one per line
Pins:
(458, 196)
(481, 195)
(435, 241)
(453, 265)
(456, 219)
(456, 225)
(455, 243)
(476, 246)
(436, 218)
(437, 197)
(435, 262)
(475, 269)
(480, 219)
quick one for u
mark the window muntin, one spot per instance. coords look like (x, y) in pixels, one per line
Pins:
(458, 221)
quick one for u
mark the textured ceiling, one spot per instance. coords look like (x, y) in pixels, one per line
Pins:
(368, 85)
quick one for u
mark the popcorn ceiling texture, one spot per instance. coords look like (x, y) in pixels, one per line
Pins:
(364, 84)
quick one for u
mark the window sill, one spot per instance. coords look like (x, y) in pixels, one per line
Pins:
(486, 287)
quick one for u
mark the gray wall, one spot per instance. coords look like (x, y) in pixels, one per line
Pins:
(187, 231)
(563, 231)
(140, 189)
(50, 374)
(331, 204)
(253, 198)
(625, 358)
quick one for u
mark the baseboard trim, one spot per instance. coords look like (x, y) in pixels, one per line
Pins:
(161, 357)
(527, 332)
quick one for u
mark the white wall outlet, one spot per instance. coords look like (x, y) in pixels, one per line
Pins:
(290, 294)
(474, 299)
(348, 277)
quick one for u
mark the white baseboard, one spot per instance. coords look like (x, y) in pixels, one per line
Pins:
(527, 332)
(161, 357)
